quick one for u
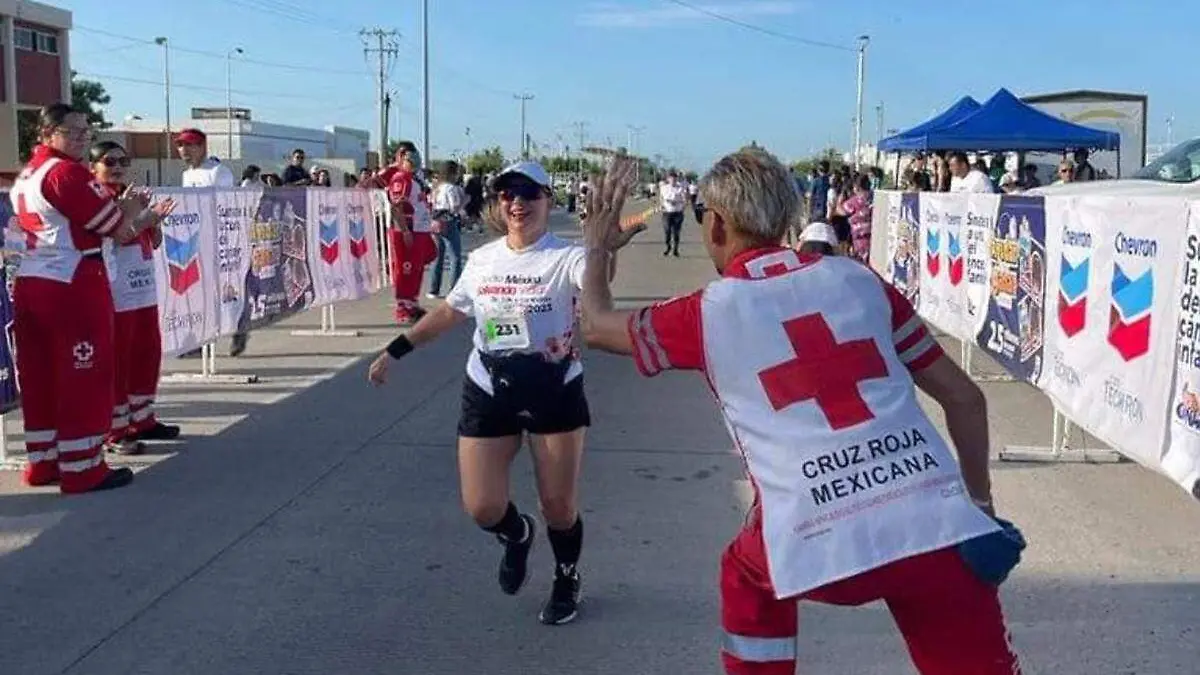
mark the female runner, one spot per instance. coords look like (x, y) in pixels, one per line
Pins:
(523, 376)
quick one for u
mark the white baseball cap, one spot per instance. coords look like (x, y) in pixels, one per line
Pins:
(531, 170)
(820, 232)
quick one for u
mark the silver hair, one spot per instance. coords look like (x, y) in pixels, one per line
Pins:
(754, 191)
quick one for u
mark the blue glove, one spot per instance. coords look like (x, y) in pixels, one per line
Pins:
(992, 557)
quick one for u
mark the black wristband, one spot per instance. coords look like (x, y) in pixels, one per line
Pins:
(400, 347)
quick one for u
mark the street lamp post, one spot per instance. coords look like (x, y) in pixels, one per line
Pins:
(863, 40)
(162, 42)
(229, 98)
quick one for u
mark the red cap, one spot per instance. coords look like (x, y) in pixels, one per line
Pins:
(190, 137)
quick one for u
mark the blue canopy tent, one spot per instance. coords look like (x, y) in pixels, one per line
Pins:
(910, 139)
(1005, 123)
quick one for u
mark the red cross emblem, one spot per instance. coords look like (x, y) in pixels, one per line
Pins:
(30, 222)
(825, 371)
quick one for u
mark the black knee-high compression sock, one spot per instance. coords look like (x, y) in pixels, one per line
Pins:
(511, 527)
(567, 544)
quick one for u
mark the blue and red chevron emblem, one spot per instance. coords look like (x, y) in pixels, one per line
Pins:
(328, 233)
(1129, 315)
(933, 246)
(1072, 295)
(183, 261)
(358, 238)
(955, 257)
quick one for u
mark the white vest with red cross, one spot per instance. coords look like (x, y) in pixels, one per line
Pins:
(133, 279)
(850, 473)
(50, 249)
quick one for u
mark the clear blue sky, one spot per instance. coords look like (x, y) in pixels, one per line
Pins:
(700, 86)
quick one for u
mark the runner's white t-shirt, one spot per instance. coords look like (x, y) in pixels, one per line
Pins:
(522, 301)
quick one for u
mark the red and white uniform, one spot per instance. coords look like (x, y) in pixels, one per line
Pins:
(410, 212)
(64, 319)
(138, 342)
(857, 497)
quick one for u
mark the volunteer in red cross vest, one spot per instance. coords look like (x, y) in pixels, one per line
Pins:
(410, 236)
(63, 306)
(137, 339)
(857, 497)
(523, 376)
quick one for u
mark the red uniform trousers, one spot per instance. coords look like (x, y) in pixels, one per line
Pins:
(138, 364)
(950, 620)
(408, 266)
(64, 340)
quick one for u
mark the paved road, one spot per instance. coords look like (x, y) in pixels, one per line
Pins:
(311, 525)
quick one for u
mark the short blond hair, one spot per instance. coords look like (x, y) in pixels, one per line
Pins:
(754, 191)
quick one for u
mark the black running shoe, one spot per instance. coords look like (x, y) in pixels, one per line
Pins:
(563, 605)
(514, 565)
(159, 432)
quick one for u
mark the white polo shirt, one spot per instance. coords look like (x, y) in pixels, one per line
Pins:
(210, 173)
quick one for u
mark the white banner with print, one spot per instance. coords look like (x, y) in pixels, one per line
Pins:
(979, 224)
(235, 209)
(1182, 459)
(187, 270)
(343, 256)
(1112, 277)
(943, 293)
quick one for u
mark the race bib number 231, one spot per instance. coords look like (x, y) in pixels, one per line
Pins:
(506, 332)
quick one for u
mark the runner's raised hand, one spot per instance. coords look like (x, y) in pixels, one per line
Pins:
(605, 201)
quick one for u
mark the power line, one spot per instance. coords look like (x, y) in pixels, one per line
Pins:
(760, 29)
(216, 55)
(292, 12)
(387, 46)
(193, 87)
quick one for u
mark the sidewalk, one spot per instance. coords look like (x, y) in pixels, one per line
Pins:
(311, 525)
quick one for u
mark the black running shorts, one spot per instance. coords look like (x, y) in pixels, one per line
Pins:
(516, 409)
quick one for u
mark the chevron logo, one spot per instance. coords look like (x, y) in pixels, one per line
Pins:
(1072, 295)
(328, 234)
(1130, 312)
(933, 246)
(183, 262)
(955, 257)
(358, 238)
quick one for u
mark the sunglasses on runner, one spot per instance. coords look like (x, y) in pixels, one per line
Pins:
(527, 190)
(110, 162)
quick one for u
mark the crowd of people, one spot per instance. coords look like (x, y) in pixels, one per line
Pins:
(533, 295)
(931, 548)
(955, 172)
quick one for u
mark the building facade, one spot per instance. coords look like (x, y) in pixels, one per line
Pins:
(243, 138)
(35, 67)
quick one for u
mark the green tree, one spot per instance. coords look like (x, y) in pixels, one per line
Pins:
(490, 160)
(88, 96)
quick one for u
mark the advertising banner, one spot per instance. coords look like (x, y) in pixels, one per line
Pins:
(280, 281)
(1012, 330)
(187, 271)
(235, 210)
(1109, 341)
(904, 250)
(346, 265)
(943, 292)
(1182, 459)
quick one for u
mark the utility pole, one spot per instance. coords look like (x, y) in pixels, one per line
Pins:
(229, 98)
(524, 140)
(581, 129)
(425, 142)
(863, 40)
(635, 133)
(162, 42)
(385, 45)
(878, 130)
